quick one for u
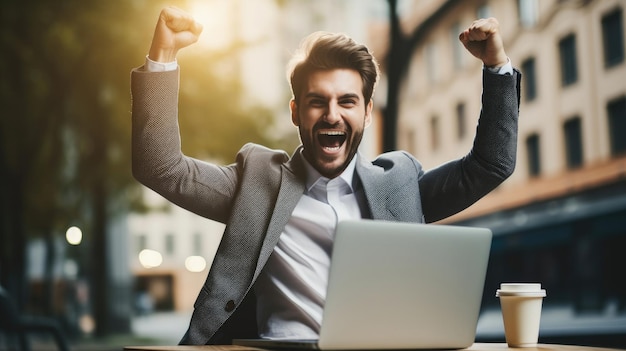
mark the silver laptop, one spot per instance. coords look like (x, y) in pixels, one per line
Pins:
(397, 285)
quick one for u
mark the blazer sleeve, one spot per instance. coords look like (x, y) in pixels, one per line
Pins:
(157, 160)
(454, 186)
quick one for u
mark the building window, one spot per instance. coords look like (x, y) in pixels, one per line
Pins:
(567, 52)
(142, 242)
(613, 38)
(431, 62)
(532, 149)
(457, 47)
(197, 244)
(169, 244)
(528, 13)
(573, 143)
(530, 82)
(434, 132)
(483, 11)
(616, 111)
(461, 123)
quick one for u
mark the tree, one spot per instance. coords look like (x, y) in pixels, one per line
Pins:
(397, 60)
(65, 131)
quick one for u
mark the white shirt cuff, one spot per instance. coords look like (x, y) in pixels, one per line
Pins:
(503, 70)
(153, 66)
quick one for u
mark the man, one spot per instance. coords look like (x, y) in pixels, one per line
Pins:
(269, 275)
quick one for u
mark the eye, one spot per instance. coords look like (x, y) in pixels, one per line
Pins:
(316, 102)
(347, 102)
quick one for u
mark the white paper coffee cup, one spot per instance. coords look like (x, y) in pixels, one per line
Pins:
(521, 312)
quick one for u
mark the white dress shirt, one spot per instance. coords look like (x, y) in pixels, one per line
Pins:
(291, 290)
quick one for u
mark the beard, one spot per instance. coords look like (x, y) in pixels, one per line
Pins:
(330, 148)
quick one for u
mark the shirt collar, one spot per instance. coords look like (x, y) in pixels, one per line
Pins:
(313, 176)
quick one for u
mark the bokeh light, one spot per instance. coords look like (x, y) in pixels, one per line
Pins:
(195, 263)
(150, 258)
(74, 235)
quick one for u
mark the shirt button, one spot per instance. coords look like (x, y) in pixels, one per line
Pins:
(230, 305)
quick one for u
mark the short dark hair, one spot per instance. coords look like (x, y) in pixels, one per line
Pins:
(326, 51)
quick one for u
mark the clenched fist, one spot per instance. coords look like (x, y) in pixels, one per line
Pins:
(482, 39)
(174, 30)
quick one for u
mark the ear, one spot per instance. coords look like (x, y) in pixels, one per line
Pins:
(368, 113)
(293, 107)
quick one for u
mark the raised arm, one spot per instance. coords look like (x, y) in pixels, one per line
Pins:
(454, 186)
(157, 159)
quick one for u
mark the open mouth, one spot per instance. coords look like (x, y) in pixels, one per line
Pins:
(331, 140)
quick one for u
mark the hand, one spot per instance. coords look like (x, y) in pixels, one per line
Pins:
(482, 39)
(175, 30)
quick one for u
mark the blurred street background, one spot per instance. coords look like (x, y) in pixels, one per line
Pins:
(111, 263)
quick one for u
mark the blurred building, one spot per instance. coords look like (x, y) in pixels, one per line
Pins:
(171, 251)
(561, 218)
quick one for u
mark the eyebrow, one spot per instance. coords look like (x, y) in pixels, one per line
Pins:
(344, 96)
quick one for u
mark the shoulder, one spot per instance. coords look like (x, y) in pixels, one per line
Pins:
(260, 152)
(260, 168)
(255, 156)
(390, 165)
(396, 161)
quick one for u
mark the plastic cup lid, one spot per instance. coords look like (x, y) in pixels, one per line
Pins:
(521, 289)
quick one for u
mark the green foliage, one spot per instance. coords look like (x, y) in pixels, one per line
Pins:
(66, 124)
(66, 104)
(214, 124)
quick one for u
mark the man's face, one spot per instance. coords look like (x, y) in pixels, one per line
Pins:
(331, 116)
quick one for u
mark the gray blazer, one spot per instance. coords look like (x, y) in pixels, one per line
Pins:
(256, 195)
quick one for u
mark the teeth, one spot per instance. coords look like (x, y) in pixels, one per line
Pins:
(331, 140)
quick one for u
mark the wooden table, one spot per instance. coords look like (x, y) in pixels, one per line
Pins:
(475, 347)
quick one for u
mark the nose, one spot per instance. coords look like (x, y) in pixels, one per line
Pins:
(332, 115)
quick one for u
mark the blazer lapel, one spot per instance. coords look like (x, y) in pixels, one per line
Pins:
(292, 187)
(375, 189)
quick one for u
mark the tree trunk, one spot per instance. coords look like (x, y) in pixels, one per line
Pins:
(13, 237)
(394, 70)
(401, 47)
(100, 249)
(48, 277)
